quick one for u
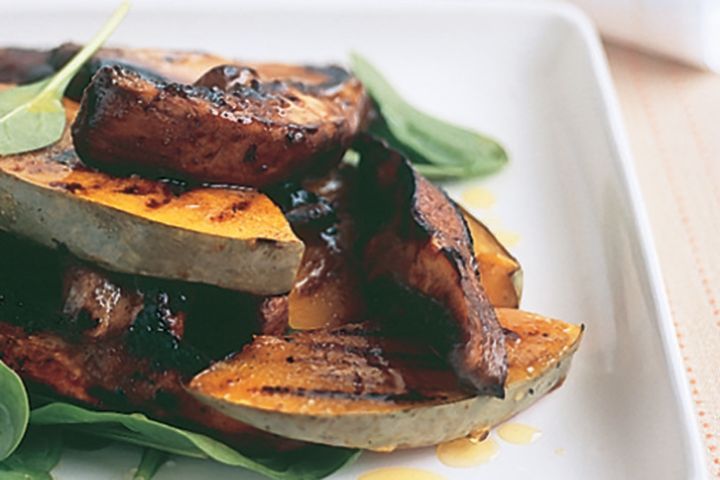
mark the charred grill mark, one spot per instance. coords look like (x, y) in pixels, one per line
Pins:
(162, 192)
(157, 203)
(351, 357)
(71, 187)
(411, 396)
(239, 206)
(223, 216)
(325, 346)
(229, 213)
(134, 189)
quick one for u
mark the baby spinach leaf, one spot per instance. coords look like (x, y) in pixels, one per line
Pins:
(38, 454)
(84, 442)
(41, 449)
(32, 116)
(437, 148)
(309, 463)
(150, 463)
(14, 411)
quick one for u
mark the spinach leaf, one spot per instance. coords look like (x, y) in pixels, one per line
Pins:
(32, 116)
(39, 453)
(150, 463)
(310, 463)
(84, 442)
(14, 411)
(437, 148)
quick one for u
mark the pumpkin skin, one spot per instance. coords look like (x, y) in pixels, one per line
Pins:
(380, 393)
(231, 238)
(501, 274)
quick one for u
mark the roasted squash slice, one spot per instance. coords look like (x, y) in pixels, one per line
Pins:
(351, 387)
(500, 273)
(232, 238)
(328, 290)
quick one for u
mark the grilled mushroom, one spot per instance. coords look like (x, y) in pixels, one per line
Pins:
(237, 124)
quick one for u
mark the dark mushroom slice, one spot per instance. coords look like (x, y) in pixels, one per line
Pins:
(118, 342)
(415, 237)
(236, 125)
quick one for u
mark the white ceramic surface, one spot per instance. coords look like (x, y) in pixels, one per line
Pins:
(535, 77)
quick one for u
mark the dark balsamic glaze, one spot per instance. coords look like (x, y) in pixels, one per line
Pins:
(217, 321)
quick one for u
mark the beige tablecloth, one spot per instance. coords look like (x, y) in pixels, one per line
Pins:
(672, 115)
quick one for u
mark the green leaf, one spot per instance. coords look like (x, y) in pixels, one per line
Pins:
(25, 474)
(438, 148)
(38, 454)
(310, 463)
(32, 116)
(14, 411)
(40, 451)
(84, 442)
(150, 463)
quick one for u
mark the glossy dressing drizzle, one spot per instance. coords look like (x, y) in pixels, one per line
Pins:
(400, 473)
(467, 452)
(508, 238)
(477, 197)
(518, 433)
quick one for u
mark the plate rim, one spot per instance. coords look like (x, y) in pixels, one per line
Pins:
(584, 29)
(642, 231)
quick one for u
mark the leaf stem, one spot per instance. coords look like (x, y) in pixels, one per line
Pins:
(63, 77)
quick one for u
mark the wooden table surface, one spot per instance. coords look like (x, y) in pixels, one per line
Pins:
(672, 116)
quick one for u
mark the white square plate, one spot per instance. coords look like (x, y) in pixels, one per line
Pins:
(534, 76)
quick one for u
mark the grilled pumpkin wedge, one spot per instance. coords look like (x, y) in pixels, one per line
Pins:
(414, 236)
(232, 238)
(500, 273)
(351, 387)
(328, 290)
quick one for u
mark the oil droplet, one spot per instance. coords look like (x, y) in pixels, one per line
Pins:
(518, 433)
(479, 435)
(508, 238)
(478, 197)
(560, 452)
(400, 473)
(384, 449)
(465, 452)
